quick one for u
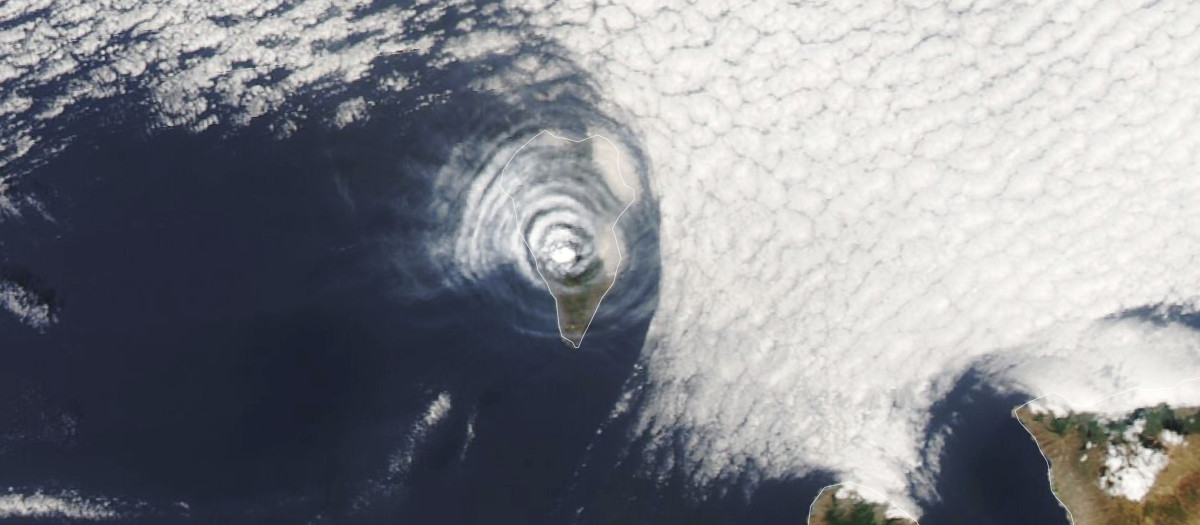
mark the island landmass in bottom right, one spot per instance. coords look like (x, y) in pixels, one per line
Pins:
(1138, 468)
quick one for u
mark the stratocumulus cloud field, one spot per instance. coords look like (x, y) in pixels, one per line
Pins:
(884, 194)
(854, 203)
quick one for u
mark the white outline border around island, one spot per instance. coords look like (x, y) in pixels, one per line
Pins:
(860, 488)
(1049, 466)
(616, 238)
(1013, 412)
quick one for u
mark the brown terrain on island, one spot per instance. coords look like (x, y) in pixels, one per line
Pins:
(578, 300)
(1076, 447)
(829, 509)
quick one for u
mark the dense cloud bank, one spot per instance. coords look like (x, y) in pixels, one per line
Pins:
(862, 199)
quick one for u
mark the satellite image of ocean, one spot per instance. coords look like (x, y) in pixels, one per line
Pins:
(600, 262)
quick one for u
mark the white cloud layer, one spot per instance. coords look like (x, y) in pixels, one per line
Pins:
(862, 199)
(1109, 366)
(201, 62)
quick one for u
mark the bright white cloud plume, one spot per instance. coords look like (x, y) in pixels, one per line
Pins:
(861, 199)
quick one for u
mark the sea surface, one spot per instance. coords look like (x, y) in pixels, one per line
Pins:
(249, 327)
(991, 469)
(231, 345)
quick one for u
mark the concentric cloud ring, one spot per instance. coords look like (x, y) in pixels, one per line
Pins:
(542, 212)
(561, 189)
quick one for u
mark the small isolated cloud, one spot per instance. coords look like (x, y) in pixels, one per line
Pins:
(65, 505)
(412, 443)
(401, 460)
(350, 111)
(28, 306)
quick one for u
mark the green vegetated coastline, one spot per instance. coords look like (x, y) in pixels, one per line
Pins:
(1093, 459)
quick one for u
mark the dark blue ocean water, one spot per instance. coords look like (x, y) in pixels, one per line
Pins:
(249, 331)
(229, 336)
(992, 471)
